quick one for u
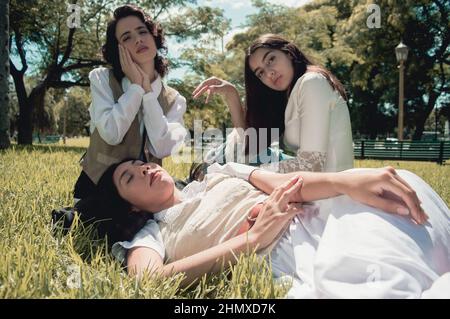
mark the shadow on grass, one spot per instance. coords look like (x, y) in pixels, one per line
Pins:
(47, 148)
(83, 237)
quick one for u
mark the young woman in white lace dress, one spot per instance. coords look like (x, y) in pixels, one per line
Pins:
(385, 235)
(285, 90)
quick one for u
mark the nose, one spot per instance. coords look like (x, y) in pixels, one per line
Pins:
(138, 38)
(144, 170)
(271, 74)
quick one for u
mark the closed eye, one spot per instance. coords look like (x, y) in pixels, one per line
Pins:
(130, 178)
(140, 32)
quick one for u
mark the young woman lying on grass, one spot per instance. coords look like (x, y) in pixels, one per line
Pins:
(386, 237)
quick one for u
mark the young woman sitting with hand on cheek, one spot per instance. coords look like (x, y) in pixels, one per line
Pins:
(133, 113)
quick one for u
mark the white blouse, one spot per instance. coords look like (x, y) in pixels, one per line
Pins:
(150, 235)
(112, 120)
(317, 127)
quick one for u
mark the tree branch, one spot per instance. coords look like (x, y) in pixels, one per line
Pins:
(67, 84)
(80, 65)
(19, 45)
(68, 48)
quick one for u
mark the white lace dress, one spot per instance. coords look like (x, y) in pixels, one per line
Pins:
(317, 128)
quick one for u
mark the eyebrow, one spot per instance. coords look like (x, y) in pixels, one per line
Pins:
(126, 32)
(125, 171)
(262, 60)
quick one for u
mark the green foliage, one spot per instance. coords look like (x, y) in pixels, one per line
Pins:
(62, 57)
(76, 112)
(334, 33)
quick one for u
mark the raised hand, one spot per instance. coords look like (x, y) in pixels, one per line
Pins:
(129, 67)
(215, 85)
(146, 83)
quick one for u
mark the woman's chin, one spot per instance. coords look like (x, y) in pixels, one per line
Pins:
(144, 59)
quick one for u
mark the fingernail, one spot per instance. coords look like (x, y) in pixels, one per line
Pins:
(402, 211)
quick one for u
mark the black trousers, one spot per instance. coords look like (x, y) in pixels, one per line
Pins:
(84, 187)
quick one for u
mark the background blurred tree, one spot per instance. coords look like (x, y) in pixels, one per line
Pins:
(63, 56)
(424, 27)
(203, 59)
(75, 112)
(4, 74)
(335, 34)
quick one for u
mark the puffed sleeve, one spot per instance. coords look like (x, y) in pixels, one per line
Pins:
(167, 132)
(149, 236)
(112, 120)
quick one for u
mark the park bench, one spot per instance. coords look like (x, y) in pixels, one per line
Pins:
(51, 139)
(436, 151)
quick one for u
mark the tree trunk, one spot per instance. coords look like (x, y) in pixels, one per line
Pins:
(37, 100)
(423, 116)
(25, 124)
(4, 74)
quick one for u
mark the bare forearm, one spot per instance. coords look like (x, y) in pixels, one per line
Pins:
(315, 185)
(236, 110)
(211, 260)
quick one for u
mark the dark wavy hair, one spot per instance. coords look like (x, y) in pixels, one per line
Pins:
(111, 215)
(265, 106)
(110, 49)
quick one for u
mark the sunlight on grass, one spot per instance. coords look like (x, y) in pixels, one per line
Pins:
(37, 264)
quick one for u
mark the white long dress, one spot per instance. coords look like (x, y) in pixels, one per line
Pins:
(343, 249)
(350, 250)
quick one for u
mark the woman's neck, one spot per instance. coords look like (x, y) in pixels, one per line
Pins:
(149, 68)
(173, 200)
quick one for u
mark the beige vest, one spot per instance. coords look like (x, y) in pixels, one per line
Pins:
(100, 155)
(201, 223)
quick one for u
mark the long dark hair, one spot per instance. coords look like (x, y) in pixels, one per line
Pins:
(110, 49)
(111, 215)
(265, 106)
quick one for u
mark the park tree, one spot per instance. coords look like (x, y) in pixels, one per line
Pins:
(4, 74)
(336, 34)
(62, 41)
(73, 113)
(202, 59)
(424, 27)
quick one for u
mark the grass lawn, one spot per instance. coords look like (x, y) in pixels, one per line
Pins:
(36, 264)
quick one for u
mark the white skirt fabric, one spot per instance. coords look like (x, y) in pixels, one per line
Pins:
(344, 249)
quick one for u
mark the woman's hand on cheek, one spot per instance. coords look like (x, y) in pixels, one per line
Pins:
(146, 85)
(129, 67)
